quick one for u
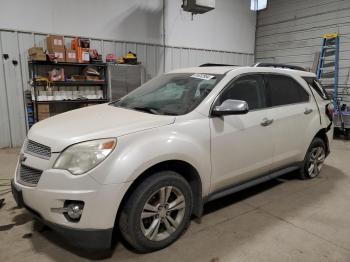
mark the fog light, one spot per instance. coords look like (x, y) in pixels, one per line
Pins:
(74, 210)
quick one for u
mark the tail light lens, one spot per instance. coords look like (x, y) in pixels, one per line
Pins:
(330, 111)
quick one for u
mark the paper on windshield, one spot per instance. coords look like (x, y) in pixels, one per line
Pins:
(202, 76)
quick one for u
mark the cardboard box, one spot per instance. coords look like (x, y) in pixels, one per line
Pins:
(83, 55)
(80, 42)
(36, 54)
(55, 42)
(60, 54)
(74, 43)
(43, 108)
(38, 57)
(42, 116)
(35, 50)
(71, 56)
(43, 111)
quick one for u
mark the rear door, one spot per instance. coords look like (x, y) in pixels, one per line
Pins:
(241, 146)
(295, 118)
(323, 101)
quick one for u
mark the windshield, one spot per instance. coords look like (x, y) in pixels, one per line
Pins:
(170, 94)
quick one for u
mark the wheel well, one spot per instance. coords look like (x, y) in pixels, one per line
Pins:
(322, 134)
(184, 169)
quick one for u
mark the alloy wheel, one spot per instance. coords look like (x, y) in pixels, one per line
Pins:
(163, 213)
(316, 161)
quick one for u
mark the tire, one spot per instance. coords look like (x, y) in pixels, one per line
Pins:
(314, 159)
(138, 231)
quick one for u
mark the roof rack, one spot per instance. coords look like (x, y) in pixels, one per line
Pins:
(211, 64)
(276, 65)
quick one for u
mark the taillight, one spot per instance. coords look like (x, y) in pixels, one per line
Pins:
(330, 111)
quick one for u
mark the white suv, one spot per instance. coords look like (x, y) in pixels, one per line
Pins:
(141, 166)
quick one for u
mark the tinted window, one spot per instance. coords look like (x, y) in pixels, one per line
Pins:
(315, 85)
(284, 90)
(249, 89)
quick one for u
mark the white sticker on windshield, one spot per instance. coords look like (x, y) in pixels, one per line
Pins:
(202, 76)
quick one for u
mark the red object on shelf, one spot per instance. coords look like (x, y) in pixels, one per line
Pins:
(111, 58)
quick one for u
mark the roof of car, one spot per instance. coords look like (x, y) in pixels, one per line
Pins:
(224, 69)
(205, 70)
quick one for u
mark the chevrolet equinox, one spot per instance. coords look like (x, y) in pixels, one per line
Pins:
(143, 165)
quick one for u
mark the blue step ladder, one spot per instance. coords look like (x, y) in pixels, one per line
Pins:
(328, 73)
(328, 66)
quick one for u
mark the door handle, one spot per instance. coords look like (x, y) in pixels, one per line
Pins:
(266, 122)
(308, 111)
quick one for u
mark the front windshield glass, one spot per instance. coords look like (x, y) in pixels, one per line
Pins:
(170, 94)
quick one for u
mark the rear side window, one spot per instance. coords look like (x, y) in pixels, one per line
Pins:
(284, 90)
(315, 85)
(249, 88)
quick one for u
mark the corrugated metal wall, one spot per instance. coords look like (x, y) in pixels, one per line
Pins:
(14, 78)
(290, 32)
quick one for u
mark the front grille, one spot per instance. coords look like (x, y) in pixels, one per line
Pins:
(28, 176)
(37, 149)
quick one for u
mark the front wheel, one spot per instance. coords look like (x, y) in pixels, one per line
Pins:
(157, 212)
(314, 159)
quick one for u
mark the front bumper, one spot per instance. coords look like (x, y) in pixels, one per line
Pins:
(82, 238)
(101, 203)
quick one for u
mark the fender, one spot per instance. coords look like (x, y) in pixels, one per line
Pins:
(137, 152)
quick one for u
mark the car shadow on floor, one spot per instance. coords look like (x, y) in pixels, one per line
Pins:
(49, 237)
(18, 220)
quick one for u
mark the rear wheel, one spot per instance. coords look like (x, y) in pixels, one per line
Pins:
(314, 159)
(157, 212)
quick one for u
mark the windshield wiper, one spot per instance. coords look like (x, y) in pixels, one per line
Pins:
(147, 110)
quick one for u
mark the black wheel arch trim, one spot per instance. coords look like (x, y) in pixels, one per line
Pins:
(193, 179)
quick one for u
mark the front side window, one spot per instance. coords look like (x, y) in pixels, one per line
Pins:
(170, 94)
(284, 90)
(248, 88)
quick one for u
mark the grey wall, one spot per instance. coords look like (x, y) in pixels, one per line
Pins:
(290, 31)
(230, 27)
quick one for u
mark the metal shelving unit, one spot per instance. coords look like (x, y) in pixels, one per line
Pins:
(82, 101)
(75, 83)
(34, 72)
(66, 63)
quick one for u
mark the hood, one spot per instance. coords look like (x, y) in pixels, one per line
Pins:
(94, 122)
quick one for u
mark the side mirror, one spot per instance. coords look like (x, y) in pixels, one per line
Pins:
(231, 107)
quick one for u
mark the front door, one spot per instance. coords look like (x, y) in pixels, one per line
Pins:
(241, 145)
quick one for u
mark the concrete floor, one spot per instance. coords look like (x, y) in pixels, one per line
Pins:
(281, 220)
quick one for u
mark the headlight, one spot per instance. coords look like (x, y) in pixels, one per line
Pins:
(82, 157)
